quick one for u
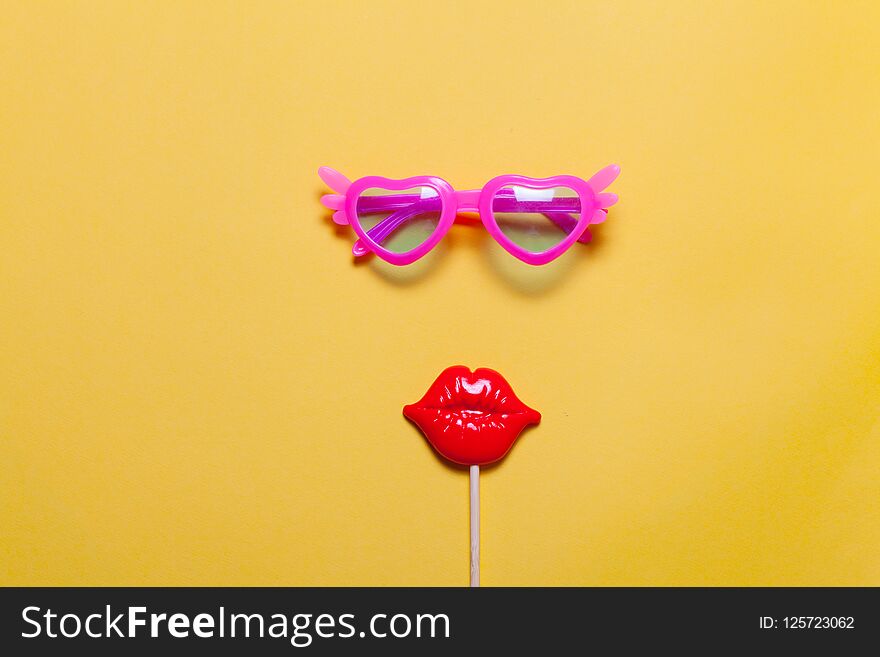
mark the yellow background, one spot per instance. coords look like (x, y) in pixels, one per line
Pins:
(199, 386)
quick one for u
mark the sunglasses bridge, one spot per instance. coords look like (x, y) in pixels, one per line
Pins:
(467, 200)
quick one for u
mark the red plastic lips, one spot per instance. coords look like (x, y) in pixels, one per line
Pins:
(472, 418)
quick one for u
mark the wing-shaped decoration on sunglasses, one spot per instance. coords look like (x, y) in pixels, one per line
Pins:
(339, 184)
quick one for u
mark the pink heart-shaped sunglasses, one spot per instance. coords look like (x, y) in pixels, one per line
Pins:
(534, 219)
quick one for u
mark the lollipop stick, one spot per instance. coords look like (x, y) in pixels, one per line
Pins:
(475, 525)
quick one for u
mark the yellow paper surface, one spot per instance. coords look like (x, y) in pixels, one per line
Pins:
(199, 386)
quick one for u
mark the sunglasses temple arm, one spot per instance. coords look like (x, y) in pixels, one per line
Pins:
(388, 225)
(384, 228)
(568, 223)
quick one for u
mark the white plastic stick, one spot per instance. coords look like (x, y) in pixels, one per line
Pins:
(475, 525)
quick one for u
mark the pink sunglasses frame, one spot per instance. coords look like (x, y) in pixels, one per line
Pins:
(594, 203)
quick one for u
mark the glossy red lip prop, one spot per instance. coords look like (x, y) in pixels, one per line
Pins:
(471, 418)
